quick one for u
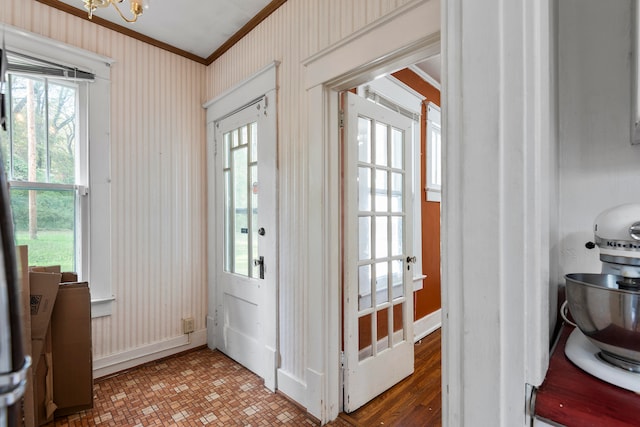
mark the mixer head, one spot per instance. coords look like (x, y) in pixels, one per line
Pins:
(617, 234)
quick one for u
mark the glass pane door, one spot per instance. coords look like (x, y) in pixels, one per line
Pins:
(381, 219)
(240, 170)
(378, 308)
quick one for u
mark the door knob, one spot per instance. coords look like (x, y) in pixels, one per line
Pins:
(260, 262)
(411, 259)
(261, 231)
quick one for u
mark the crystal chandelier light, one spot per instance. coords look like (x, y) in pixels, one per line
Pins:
(137, 7)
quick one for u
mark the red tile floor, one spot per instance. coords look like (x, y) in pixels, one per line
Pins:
(198, 388)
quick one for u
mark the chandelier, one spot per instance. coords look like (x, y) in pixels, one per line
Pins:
(136, 7)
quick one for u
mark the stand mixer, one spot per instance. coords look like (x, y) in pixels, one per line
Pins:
(606, 307)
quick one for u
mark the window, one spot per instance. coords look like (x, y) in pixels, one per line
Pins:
(47, 177)
(58, 101)
(434, 153)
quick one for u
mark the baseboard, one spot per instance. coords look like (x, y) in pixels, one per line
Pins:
(424, 326)
(128, 359)
(314, 401)
(292, 387)
(211, 333)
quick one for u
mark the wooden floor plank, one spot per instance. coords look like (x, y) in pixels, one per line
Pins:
(415, 401)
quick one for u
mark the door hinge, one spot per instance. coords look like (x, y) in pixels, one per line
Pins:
(342, 360)
(341, 118)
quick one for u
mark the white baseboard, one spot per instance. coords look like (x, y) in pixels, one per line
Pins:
(295, 389)
(429, 323)
(128, 359)
(211, 333)
(314, 401)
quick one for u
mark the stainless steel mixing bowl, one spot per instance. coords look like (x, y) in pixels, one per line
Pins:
(608, 313)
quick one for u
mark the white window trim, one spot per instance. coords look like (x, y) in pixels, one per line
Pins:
(96, 268)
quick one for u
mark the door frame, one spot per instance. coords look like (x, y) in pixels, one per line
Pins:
(409, 34)
(262, 83)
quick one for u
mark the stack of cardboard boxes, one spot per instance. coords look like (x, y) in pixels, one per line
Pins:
(57, 319)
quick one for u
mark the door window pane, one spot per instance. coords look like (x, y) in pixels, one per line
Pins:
(364, 189)
(382, 283)
(254, 141)
(228, 219)
(397, 278)
(382, 190)
(364, 140)
(397, 145)
(396, 235)
(253, 228)
(240, 212)
(382, 233)
(364, 238)
(396, 192)
(364, 287)
(226, 148)
(241, 188)
(381, 144)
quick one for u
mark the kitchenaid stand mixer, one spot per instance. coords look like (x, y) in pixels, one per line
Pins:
(606, 307)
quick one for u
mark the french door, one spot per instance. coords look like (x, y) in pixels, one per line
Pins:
(378, 302)
(246, 246)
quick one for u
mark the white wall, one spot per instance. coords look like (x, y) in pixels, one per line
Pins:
(598, 166)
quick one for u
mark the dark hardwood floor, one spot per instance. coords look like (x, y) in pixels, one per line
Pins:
(416, 401)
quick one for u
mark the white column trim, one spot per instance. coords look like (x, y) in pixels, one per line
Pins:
(496, 219)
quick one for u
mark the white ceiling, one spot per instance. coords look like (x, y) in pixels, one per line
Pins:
(195, 26)
(431, 67)
(202, 26)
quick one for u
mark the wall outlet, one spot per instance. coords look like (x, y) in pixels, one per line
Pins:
(188, 325)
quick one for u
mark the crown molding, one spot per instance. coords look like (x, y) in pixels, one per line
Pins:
(246, 29)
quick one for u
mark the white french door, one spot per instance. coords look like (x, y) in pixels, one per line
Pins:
(246, 247)
(378, 301)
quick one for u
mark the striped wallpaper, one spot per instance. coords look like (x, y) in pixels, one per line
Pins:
(158, 189)
(158, 163)
(297, 30)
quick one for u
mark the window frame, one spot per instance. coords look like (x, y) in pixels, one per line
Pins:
(433, 160)
(94, 128)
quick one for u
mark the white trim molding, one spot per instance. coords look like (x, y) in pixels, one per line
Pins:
(427, 324)
(96, 244)
(109, 365)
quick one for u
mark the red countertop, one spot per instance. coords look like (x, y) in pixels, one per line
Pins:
(573, 398)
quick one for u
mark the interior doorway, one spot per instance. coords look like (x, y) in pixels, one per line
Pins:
(410, 35)
(371, 329)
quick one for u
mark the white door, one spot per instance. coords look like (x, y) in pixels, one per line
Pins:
(378, 301)
(246, 247)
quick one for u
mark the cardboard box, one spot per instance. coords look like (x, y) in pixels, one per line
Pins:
(45, 269)
(68, 277)
(72, 355)
(22, 254)
(44, 407)
(43, 291)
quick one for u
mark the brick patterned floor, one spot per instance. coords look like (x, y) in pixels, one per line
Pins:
(199, 388)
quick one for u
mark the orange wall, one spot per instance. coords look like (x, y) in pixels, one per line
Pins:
(427, 300)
